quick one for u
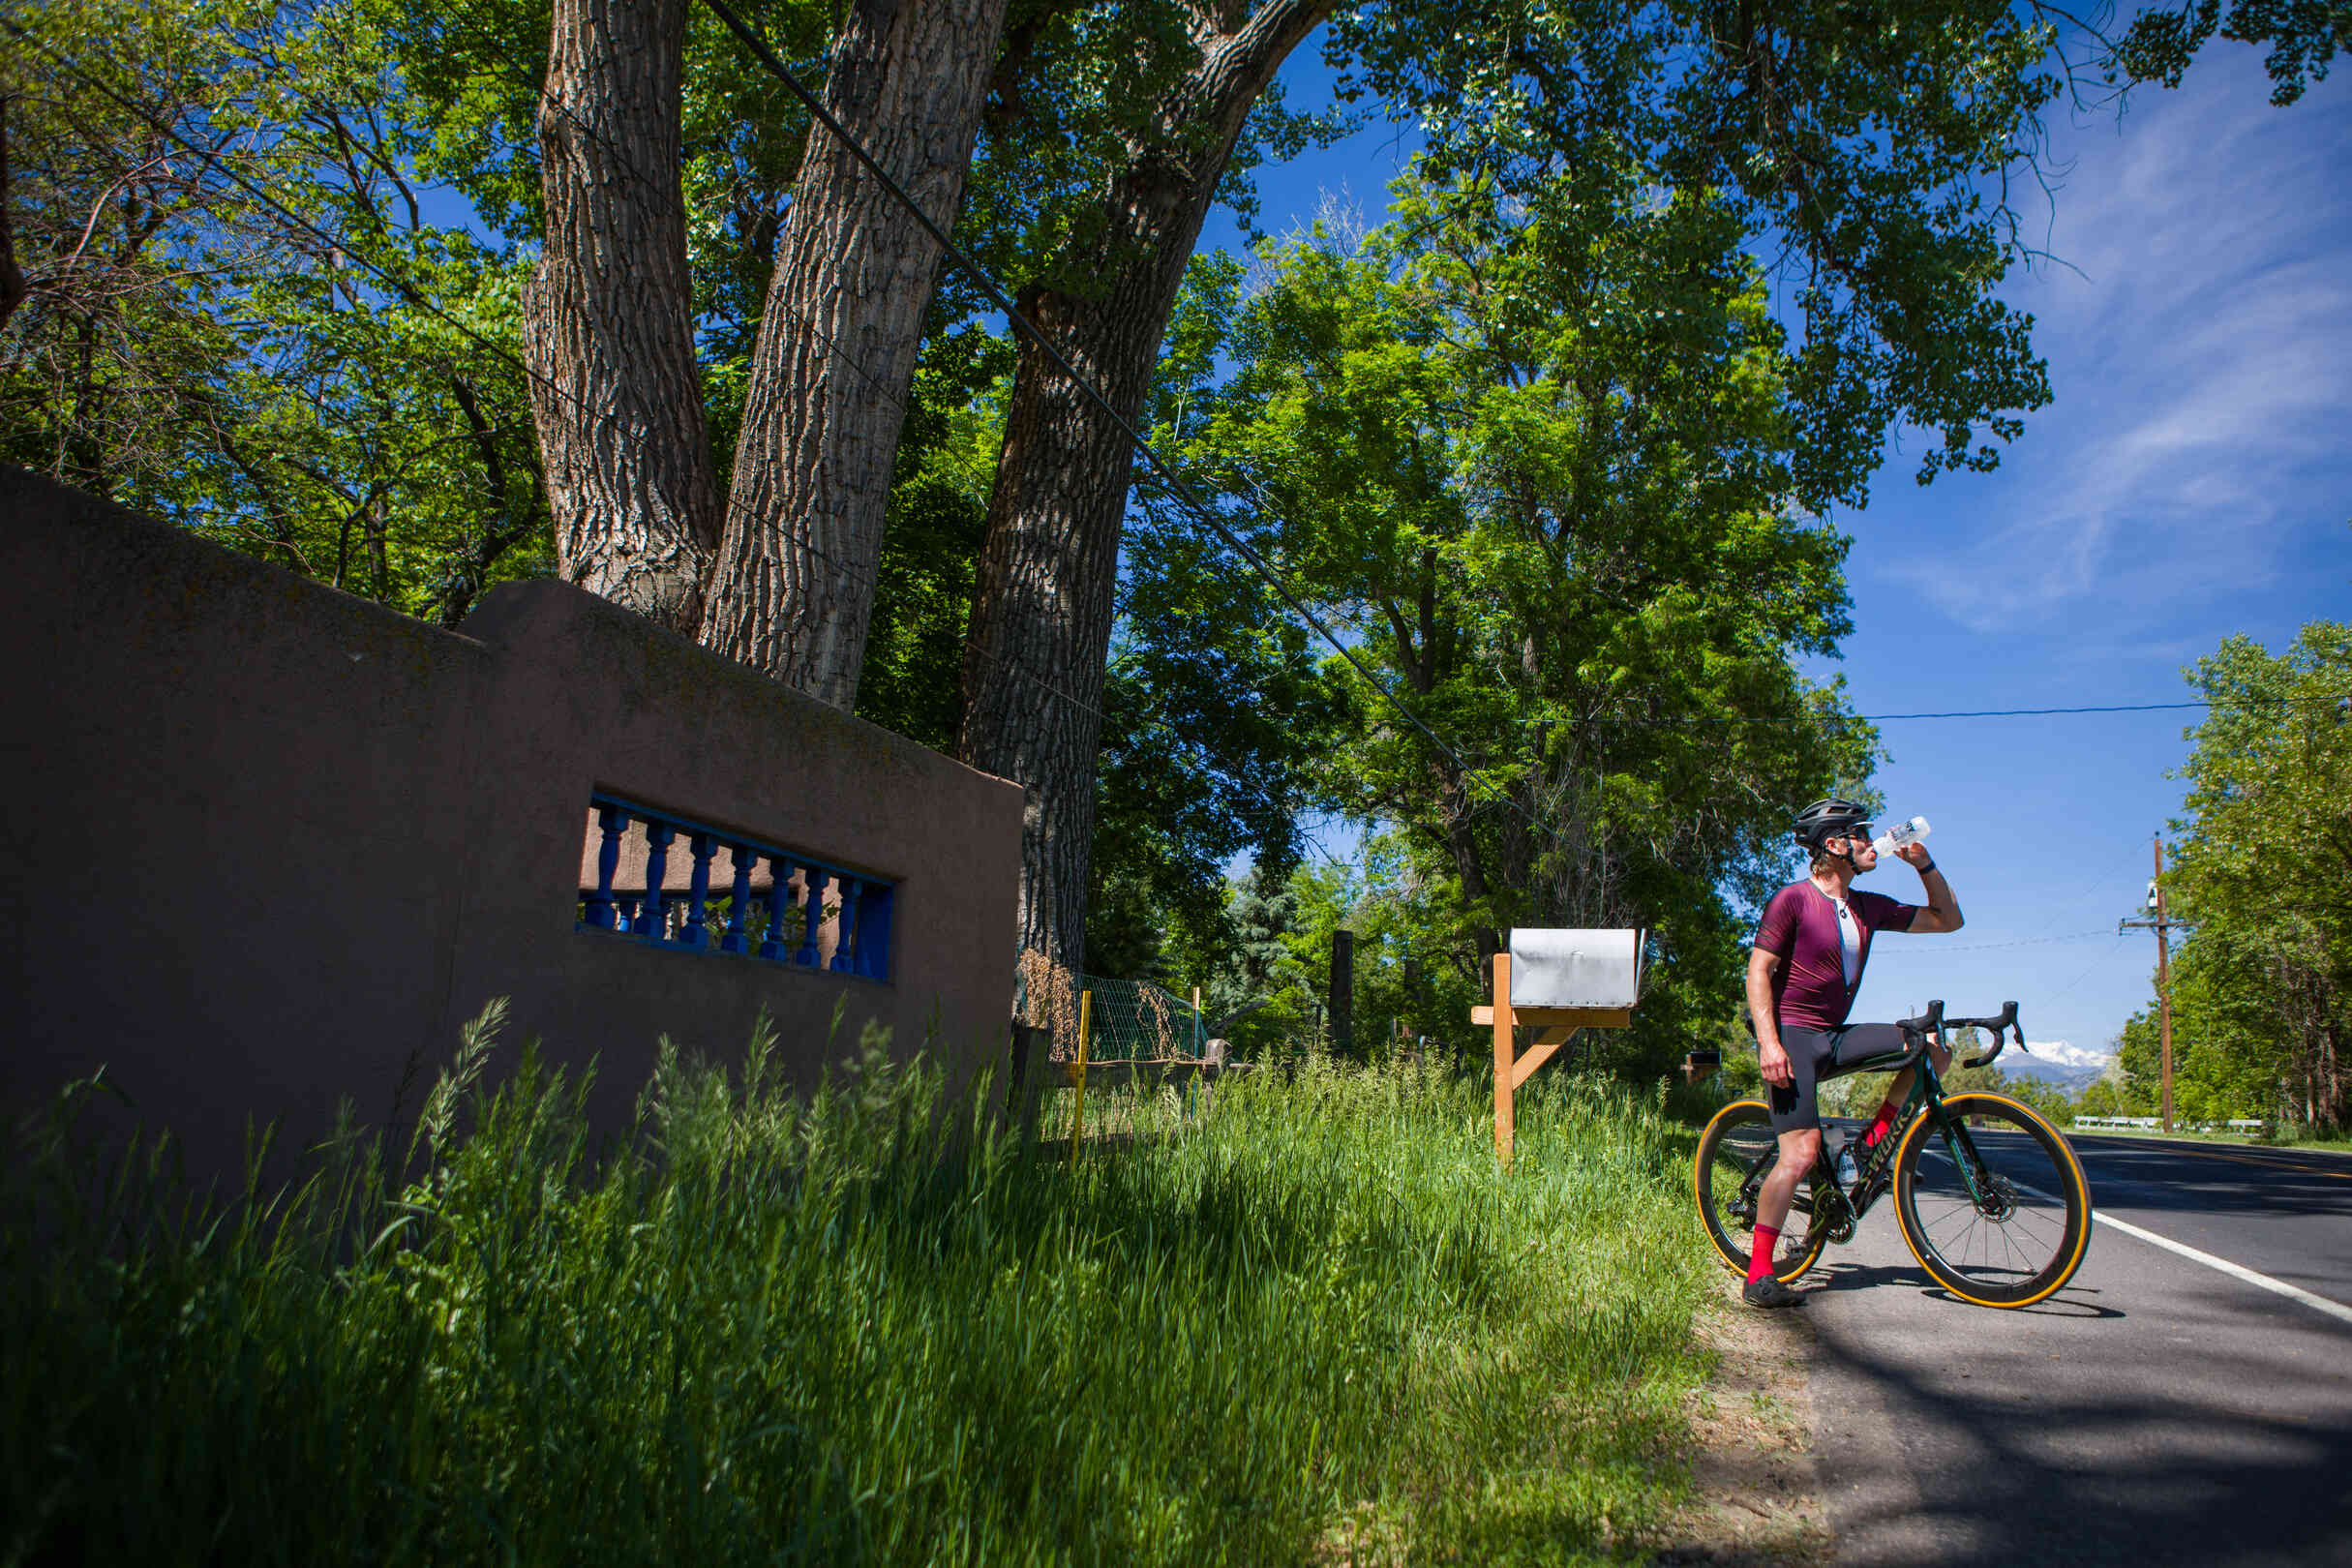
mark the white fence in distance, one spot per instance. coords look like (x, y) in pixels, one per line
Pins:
(2242, 1124)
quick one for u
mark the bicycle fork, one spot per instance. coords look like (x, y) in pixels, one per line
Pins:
(1976, 1177)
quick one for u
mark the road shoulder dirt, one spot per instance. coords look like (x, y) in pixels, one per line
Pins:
(1755, 1498)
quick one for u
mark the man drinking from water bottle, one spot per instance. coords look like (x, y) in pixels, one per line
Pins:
(1807, 964)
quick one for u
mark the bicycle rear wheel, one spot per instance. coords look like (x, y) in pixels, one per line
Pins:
(1736, 1153)
(1999, 1213)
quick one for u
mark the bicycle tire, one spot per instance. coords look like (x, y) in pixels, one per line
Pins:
(2023, 1241)
(1739, 1143)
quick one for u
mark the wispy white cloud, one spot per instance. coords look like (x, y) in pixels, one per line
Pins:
(2199, 359)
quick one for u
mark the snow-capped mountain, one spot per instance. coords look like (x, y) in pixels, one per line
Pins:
(2061, 1062)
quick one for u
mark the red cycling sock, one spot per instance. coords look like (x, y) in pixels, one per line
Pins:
(1759, 1256)
(1878, 1128)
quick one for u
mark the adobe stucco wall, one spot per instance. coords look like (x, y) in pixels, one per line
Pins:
(271, 842)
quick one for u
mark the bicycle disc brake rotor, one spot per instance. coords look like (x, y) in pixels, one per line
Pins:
(1999, 1200)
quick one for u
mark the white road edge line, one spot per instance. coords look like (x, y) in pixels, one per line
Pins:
(2237, 1271)
(2333, 1308)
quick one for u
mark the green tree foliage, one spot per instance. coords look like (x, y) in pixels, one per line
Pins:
(2262, 987)
(1538, 453)
(244, 314)
(939, 506)
(1213, 703)
(2300, 38)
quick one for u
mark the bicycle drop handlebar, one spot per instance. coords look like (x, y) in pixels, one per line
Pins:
(1932, 1023)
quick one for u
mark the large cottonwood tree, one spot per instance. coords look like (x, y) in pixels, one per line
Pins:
(855, 271)
(2262, 1004)
(782, 576)
(616, 384)
(1872, 145)
(1539, 453)
(1042, 622)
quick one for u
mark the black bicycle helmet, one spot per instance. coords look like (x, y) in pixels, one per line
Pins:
(1827, 819)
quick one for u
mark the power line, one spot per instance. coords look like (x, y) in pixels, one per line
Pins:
(1191, 501)
(2032, 712)
(2022, 942)
(1698, 719)
(406, 293)
(997, 297)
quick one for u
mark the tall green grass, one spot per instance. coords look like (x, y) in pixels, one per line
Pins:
(1314, 1323)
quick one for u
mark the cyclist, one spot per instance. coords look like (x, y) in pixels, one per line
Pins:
(1806, 965)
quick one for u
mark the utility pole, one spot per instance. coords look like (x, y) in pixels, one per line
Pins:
(2162, 928)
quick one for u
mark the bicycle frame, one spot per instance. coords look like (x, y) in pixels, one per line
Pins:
(1870, 1170)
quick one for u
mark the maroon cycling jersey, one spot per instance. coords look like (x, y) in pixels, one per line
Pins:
(1799, 927)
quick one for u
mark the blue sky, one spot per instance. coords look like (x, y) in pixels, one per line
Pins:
(2191, 480)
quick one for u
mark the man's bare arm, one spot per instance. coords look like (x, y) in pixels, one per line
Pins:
(1771, 1056)
(1943, 910)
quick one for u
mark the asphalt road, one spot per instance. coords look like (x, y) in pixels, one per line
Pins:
(2156, 1411)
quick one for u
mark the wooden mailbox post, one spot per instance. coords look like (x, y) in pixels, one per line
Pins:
(1554, 1025)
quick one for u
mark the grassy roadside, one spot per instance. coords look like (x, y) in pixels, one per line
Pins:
(1315, 1326)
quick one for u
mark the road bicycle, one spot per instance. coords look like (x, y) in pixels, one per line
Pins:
(1989, 1197)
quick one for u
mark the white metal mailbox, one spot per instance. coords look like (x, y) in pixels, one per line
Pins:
(1585, 969)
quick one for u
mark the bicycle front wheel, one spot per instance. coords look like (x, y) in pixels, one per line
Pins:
(1736, 1152)
(1992, 1202)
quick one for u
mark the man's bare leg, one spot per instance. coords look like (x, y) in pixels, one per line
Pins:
(1798, 1151)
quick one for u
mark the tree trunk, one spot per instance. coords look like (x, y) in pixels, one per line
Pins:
(609, 315)
(1041, 615)
(794, 585)
(13, 289)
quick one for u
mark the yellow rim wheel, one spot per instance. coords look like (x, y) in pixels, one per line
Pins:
(1993, 1203)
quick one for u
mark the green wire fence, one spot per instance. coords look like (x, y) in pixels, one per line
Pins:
(1129, 1020)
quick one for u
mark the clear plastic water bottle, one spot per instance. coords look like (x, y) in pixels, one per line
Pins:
(1900, 834)
(1847, 1172)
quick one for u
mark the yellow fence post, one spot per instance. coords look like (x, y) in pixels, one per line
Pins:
(1200, 1045)
(1504, 1088)
(1078, 1118)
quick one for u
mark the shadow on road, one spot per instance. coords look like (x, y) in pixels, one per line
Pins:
(2073, 1302)
(2007, 1452)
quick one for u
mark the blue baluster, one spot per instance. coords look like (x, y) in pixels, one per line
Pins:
(739, 904)
(874, 930)
(845, 933)
(696, 931)
(628, 908)
(772, 945)
(657, 867)
(813, 880)
(614, 822)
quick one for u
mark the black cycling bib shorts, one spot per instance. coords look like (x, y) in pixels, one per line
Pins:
(1818, 1055)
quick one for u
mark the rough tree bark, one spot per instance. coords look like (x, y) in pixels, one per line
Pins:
(1041, 615)
(794, 585)
(608, 314)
